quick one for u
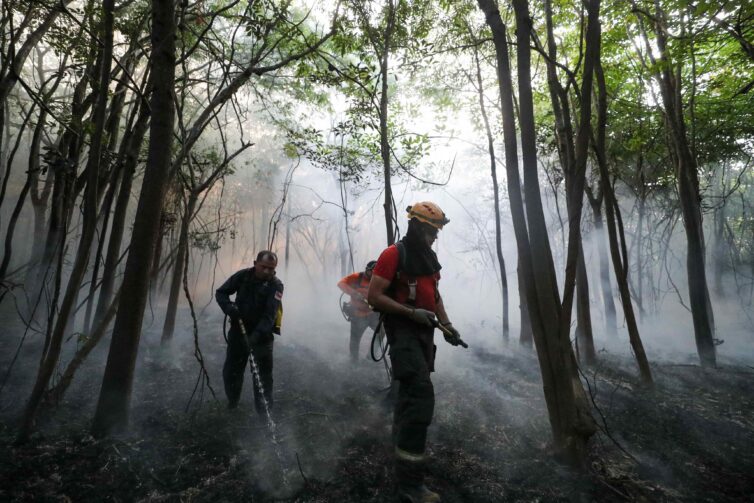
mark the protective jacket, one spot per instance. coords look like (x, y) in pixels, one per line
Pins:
(257, 300)
(357, 285)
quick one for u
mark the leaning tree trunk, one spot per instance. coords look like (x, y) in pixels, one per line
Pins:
(102, 226)
(115, 395)
(620, 263)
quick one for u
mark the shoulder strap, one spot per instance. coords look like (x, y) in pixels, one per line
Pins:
(401, 256)
(410, 281)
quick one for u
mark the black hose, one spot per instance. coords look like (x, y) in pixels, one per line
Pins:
(371, 346)
(388, 369)
(340, 305)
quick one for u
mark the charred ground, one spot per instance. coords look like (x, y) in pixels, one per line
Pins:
(689, 439)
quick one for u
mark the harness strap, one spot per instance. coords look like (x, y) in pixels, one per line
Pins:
(412, 291)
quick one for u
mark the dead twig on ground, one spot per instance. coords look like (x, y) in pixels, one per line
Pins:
(301, 471)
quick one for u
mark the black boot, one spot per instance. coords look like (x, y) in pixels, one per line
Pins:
(410, 477)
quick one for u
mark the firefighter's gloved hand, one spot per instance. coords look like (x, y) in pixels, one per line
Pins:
(423, 317)
(254, 338)
(233, 312)
(454, 337)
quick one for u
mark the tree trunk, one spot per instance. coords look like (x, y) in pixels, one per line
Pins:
(584, 336)
(620, 264)
(611, 325)
(63, 171)
(721, 247)
(55, 394)
(133, 143)
(688, 192)
(177, 277)
(570, 415)
(571, 423)
(115, 395)
(384, 142)
(103, 224)
(50, 358)
(496, 193)
(573, 153)
(525, 337)
(33, 169)
(15, 66)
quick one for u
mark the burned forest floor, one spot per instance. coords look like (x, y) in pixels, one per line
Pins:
(691, 438)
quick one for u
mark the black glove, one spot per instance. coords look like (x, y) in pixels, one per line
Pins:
(233, 312)
(254, 338)
(454, 337)
(423, 317)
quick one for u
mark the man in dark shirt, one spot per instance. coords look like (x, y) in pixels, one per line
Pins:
(258, 295)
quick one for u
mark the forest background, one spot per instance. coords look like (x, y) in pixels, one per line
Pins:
(594, 158)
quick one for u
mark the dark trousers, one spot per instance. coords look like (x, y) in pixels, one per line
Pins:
(412, 357)
(358, 325)
(236, 358)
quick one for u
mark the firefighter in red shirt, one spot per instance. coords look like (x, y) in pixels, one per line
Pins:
(360, 314)
(404, 288)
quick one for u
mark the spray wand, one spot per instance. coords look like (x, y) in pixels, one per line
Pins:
(258, 383)
(449, 336)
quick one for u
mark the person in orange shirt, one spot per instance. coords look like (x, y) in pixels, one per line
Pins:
(360, 314)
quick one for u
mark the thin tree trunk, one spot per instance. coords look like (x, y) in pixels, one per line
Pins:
(611, 325)
(584, 336)
(55, 394)
(115, 395)
(63, 171)
(33, 168)
(688, 192)
(496, 193)
(131, 153)
(82, 255)
(525, 337)
(620, 264)
(288, 237)
(103, 223)
(384, 142)
(177, 277)
(14, 68)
